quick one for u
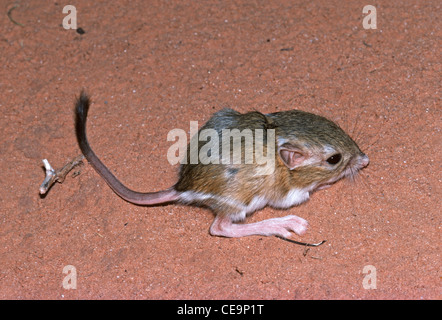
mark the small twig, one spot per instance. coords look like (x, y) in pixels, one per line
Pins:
(241, 273)
(366, 44)
(10, 18)
(303, 243)
(306, 250)
(59, 175)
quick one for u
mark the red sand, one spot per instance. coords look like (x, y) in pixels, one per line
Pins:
(152, 66)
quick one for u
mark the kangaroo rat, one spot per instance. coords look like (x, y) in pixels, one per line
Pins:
(311, 153)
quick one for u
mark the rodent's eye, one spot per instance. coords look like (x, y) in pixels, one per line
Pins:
(334, 159)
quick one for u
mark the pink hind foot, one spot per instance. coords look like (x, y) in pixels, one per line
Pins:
(223, 226)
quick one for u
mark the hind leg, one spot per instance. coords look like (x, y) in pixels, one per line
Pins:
(224, 226)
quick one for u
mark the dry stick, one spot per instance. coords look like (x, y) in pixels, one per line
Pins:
(302, 243)
(59, 175)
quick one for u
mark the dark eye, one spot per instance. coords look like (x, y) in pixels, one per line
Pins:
(334, 159)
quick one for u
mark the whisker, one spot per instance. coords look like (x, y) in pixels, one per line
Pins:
(359, 131)
(373, 143)
(356, 123)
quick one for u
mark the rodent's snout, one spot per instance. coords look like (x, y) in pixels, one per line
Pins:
(357, 163)
(364, 160)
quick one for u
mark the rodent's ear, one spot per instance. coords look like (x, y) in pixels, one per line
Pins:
(292, 156)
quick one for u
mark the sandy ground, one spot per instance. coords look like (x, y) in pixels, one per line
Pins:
(152, 66)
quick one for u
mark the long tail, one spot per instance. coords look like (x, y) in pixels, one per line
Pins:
(148, 198)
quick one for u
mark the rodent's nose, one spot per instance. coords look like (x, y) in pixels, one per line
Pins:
(364, 160)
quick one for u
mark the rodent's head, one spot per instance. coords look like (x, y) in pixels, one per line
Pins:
(316, 150)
